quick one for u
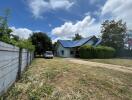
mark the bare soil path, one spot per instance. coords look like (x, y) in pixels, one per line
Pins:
(97, 64)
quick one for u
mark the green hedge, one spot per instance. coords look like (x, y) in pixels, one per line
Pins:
(86, 51)
(124, 53)
(96, 52)
(104, 52)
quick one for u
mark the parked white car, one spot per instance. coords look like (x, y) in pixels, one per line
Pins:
(48, 54)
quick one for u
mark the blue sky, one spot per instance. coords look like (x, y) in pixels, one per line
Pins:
(61, 19)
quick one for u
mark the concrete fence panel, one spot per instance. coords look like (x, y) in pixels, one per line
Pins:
(12, 63)
(24, 59)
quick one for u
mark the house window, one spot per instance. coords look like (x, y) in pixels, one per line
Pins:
(62, 52)
(71, 52)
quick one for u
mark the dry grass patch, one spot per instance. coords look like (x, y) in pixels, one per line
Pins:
(59, 79)
(115, 61)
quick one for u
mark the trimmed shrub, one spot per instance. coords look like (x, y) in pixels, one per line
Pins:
(86, 52)
(104, 52)
(96, 52)
(124, 53)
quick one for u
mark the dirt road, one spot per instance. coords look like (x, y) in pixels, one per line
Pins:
(102, 65)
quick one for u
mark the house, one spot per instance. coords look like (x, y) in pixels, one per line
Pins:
(69, 48)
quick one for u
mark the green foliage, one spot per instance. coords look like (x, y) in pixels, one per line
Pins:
(5, 38)
(96, 52)
(104, 52)
(113, 33)
(86, 51)
(4, 29)
(27, 44)
(124, 53)
(41, 41)
(5, 35)
(77, 37)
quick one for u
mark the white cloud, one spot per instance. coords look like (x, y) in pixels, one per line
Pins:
(112, 9)
(55, 40)
(87, 14)
(23, 33)
(119, 9)
(38, 7)
(64, 4)
(86, 27)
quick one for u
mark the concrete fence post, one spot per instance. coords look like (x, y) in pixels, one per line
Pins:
(19, 64)
(30, 57)
(27, 58)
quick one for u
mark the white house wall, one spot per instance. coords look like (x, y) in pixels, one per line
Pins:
(66, 51)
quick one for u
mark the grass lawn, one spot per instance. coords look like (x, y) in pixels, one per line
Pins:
(59, 79)
(116, 61)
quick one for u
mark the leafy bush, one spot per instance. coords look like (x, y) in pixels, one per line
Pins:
(104, 52)
(22, 43)
(6, 36)
(96, 52)
(86, 51)
(124, 53)
(27, 44)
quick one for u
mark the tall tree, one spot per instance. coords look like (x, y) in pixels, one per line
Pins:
(4, 29)
(77, 37)
(113, 33)
(128, 39)
(41, 41)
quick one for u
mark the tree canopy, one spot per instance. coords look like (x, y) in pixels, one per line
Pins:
(41, 41)
(77, 37)
(113, 33)
(4, 29)
(6, 36)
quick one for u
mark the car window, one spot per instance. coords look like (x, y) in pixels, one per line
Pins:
(49, 53)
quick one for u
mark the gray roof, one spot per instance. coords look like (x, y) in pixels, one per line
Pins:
(77, 43)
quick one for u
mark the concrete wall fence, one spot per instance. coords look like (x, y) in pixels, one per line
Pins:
(13, 61)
